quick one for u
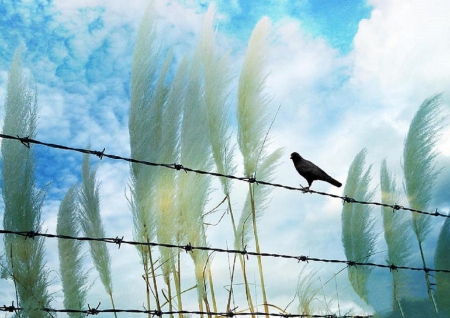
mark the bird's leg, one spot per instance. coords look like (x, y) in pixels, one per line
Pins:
(304, 189)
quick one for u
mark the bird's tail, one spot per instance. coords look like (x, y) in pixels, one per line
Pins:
(334, 182)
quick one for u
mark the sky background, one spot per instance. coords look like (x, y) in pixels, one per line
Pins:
(348, 75)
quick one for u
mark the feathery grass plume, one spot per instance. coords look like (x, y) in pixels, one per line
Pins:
(305, 292)
(217, 79)
(419, 168)
(396, 233)
(73, 277)
(92, 225)
(146, 62)
(166, 215)
(358, 236)
(148, 95)
(252, 112)
(24, 259)
(193, 189)
(252, 117)
(442, 261)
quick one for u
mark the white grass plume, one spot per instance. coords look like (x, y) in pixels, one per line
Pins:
(166, 215)
(358, 236)
(420, 171)
(73, 277)
(91, 223)
(146, 62)
(253, 127)
(22, 201)
(252, 113)
(217, 77)
(194, 189)
(397, 233)
(419, 165)
(148, 95)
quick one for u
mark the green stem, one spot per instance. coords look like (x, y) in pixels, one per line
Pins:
(158, 305)
(242, 261)
(169, 291)
(255, 232)
(146, 278)
(176, 275)
(112, 302)
(231, 284)
(427, 278)
(211, 287)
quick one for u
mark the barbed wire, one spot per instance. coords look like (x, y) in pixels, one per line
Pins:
(26, 141)
(159, 313)
(190, 248)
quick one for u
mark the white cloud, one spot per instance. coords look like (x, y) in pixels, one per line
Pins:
(403, 49)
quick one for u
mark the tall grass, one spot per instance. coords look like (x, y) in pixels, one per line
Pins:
(73, 277)
(358, 236)
(194, 189)
(397, 235)
(148, 94)
(92, 225)
(25, 263)
(419, 168)
(166, 213)
(252, 116)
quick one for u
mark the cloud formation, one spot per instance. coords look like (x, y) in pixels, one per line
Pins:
(341, 86)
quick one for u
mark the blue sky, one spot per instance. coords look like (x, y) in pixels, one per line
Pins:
(348, 74)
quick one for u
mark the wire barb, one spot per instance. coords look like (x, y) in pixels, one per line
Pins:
(230, 313)
(11, 308)
(93, 311)
(347, 199)
(302, 258)
(393, 267)
(118, 241)
(244, 252)
(100, 154)
(178, 167)
(252, 179)
(30, 234)
(25, 141)
(188, 248)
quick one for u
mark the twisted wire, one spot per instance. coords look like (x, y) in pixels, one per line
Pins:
(190, 248)
(26, 141)
(95, 311)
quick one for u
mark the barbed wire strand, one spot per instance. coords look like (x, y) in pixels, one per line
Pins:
(26, 141)
(190, 248)
(159, 313)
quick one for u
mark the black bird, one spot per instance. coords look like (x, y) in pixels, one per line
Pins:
(311, 172)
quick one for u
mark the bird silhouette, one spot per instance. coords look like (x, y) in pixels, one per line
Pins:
(311, 172)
